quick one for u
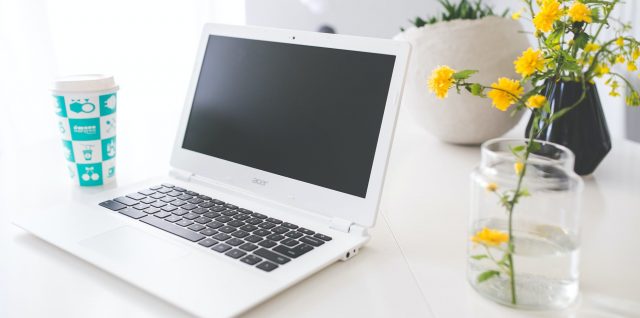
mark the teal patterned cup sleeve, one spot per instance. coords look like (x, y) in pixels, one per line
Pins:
(87, 126)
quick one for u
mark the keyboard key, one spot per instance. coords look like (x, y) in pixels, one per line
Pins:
(158, 204)
(215, 224)
(200, 210)
(168, 185)
(151, 210)
(241, 217)
(244, 211)
(322, 237)
(229, 212)
(172, 228)
(267, 244)
(179, 189)
(227, 229)
(234, 241)
(204, 197)
(234, 253)
(169, 208)
(276, 258)
(218, 202)
(147, 192)
(126, 201)
(178, 203)
(148, 200)
(196, 227)
(266, 225)
(290, 225)
(141, 206)
(253, 238)
(184, 222)
(306, 231)
(157, 195)
(261, 232)
(235, 223)
(230, 206)
(208, 232)
(248, 247)
(113, 205)
(191, 216)
(132, 213)
(174, 193)
(267, 266)
(164, 190)
(195, 201)
(217, 208)
(202, 220)
(193, 193)
(223, 219)
(251, 259)
(167, 199)
(275, 237)
(280, 230)
(293, 252)
(289, 242)
(294, 234)
(208, 242)
(211, 215)
(311, 240)
(206, 204)
(258, 215)
(136, 196)
(274, 221)
(221, 237)
(156, 187)
(185, 197)
(254, 221)
(240, 234)
(220, 247)
(180, 212)
(162, 214)
(249, 228)
(189, 206)
(173, 218)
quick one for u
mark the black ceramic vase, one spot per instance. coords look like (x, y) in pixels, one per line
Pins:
(582, 129)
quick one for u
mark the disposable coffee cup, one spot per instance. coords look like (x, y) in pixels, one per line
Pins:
(85, 106)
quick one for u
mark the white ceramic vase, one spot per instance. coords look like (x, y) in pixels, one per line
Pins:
(489, 45)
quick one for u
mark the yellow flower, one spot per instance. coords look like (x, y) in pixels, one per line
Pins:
(491, 187)
(614, 89)
(549, 13)
(601, 69)
(579, 12)
(518, 167)
(620, 41)
(505, 92)
(517, 15)
(536, 101)
(529, 62)
(620, 59)
(631, 67)
(591, 47)
(636, 54)
(441, 80)
(490, 237)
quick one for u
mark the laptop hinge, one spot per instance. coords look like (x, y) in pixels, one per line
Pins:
(181, 175)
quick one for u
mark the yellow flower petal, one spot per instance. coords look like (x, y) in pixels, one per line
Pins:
(491, 187)
(591, 47)
(620, 41)
(441, 81)
(490, 237)
(631, 67)
(549, 13)
(505, 92)
(536, 101)
(518, 167)
(579, 12)
(620, 59)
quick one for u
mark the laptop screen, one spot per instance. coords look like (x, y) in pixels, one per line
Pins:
(308, 113)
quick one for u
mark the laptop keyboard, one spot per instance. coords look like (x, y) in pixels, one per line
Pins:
(250, 237)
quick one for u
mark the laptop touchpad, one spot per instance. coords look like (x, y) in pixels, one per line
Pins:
(131, 246)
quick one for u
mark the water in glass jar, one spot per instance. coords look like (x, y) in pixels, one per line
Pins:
(545, 262)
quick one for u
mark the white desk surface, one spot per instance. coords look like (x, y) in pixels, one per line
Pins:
(414, 265)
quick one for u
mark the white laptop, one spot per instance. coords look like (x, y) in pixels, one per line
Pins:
(277, 172)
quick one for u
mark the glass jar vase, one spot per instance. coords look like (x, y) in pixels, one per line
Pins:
(525, 253)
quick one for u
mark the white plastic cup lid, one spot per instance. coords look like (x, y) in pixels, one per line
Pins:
(84, 83)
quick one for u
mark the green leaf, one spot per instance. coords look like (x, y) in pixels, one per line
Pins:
(476, 89)
(486, 275)
(479, 257)
(547, 107)
(463, 74)
(518, 148)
